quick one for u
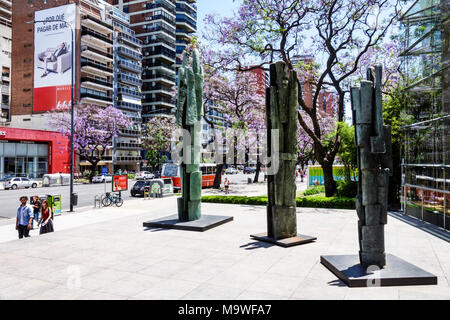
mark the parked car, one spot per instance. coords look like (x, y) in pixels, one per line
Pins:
(15, 183)
(144, 175)
(248, 170)
(231, 170)
(102, 178)
(138, 188)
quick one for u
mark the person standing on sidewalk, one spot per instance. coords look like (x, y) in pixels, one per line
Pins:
(227, 186)
(36, 204)
(46, 218)
(24, 218)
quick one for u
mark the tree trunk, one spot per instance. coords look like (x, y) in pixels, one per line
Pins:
(218, 177)
(330, 184)
(93, 168)
(258, 170)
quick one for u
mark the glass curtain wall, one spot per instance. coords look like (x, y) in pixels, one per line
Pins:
(426, 162)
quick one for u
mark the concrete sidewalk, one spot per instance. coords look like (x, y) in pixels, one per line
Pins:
(107, 254)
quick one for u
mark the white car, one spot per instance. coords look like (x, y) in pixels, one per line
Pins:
(15, 183)
(102, 178)
(231, 170)
(144, 175)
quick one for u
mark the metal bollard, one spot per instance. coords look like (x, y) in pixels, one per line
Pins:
(98, 199)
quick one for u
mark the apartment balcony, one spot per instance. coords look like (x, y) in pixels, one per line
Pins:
(184, 22)
(5, 90)
(156, 17)
(167, 79)
(163, 67)
(187, 7)
(159, 41)
(130, 133)
(95, 54)
(96, 83)
(129, 92)
(96, 68)
(161, 29)
(134, 67)
(133, 41)
(162, 53)
(96, 38)
(97, 25)
(6, 7)
(127, 159)
(129, 80)
(101, 98)
(158, 4)
(128, 106)
(128, 146)
(129, 53)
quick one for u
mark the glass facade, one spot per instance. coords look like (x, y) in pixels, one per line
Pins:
(426, 162)
(17, 158)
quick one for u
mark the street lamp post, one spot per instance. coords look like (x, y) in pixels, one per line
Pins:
(72, 106)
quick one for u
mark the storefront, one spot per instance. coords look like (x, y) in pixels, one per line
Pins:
(33, 152)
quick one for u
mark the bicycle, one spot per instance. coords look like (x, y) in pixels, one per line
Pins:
(111, 199)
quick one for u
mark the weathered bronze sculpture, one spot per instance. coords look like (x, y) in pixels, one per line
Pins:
(281, 115)
(373, 141)
(189, 113)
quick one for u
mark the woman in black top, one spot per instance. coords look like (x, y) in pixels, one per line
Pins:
(36, 205)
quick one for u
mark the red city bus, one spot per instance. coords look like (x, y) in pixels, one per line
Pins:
(172, 171)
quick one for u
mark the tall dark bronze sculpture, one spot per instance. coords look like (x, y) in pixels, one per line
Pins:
(189, 113)
(188, 117)
(373, 141)
(281, 115)
(373, 267)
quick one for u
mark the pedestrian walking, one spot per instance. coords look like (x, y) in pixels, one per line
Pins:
(227, 186)
(24, 218)
(46, 218)
(36, 205)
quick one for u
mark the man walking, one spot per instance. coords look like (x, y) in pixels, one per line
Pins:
(24, 218)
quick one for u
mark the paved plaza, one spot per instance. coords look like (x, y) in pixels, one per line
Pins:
(107, 254)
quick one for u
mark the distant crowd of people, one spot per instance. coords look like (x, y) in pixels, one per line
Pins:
(37, 211)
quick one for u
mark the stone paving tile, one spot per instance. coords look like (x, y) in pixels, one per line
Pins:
(275, 284)
(207, 291)
(168, 289)
(256, 295)
(235, 278)
(25, 288)
(116, 258)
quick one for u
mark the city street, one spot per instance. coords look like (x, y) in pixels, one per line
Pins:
(86, 194)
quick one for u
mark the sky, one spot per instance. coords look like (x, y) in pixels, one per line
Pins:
(222, 7)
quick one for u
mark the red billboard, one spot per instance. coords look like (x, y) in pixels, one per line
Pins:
(120, 183)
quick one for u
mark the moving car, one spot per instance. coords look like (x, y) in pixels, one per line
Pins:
(15, 183)
(231, 170)
(138, 188)
(102, 178)
(144, 175)
(248, 170)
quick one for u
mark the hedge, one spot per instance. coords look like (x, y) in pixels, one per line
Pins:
(305, 202)
(314, 190)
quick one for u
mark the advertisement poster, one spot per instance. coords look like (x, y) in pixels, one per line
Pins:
(53, 58)
(120, 183)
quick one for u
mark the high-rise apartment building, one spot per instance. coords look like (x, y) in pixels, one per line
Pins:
(5, 58)
(165, 27)
(127, 91)
(107, 69)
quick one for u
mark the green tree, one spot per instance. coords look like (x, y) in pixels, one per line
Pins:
(393, 113)
(157, 133)
(347, 152)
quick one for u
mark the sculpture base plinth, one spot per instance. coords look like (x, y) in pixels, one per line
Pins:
(287, 242)
(397, 272)
(205, 223)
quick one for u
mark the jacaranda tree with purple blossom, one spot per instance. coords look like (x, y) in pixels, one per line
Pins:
(94, 130)
(337, 33)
